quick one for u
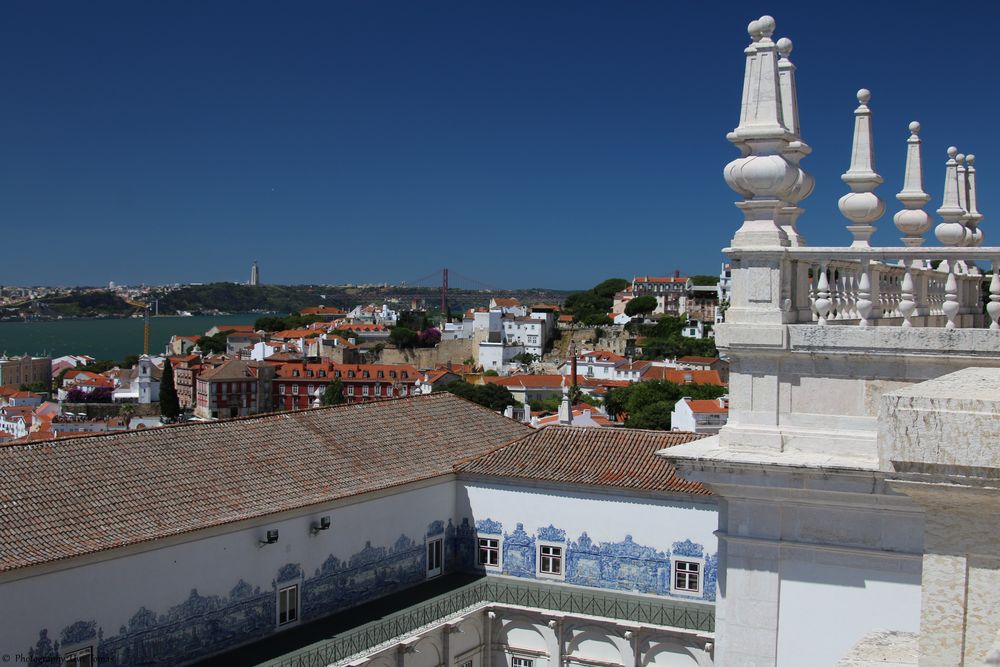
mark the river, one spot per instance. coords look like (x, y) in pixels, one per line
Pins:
(105, 339)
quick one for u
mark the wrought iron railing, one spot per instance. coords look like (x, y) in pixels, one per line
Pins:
(695, 616)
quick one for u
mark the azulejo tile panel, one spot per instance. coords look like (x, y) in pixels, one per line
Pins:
(202, 625)
(621, 566)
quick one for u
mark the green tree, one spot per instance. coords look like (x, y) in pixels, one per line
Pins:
(525, 358)
(36, 387)
(493, 396)
(610, 287)
(334, 394)
(653, 416)
(704, 281)
(403, 338)
(170, 406)
(642, 305)
(214, 344)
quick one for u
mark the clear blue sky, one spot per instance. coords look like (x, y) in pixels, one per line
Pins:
(519, 143)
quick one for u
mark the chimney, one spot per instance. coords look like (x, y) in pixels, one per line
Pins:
(508, 412)
(677, 273)
(565, 409)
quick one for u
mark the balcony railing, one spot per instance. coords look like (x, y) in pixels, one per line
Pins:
(903, 286)
(694, 616)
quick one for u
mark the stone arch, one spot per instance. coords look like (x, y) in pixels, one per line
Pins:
(669, 652)
(468, 637)
(520, 632)
(592, 643)
(426, 653)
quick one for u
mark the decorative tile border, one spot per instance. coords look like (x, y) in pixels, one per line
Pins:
(617, 566)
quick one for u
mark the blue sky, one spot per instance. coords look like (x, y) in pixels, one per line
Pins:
(518, 143)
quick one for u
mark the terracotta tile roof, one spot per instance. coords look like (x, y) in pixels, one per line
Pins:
(295, 333)
(533, 381)
(707, 407)
(506, 303)
(698, 360)
(619, 457)
(565, 318)
(234, 369)
(88, 494)
(243, 328)
(680, 376)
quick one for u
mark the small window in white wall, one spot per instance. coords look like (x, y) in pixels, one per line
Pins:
(687, 576)
(288, 605)
(489, 551)
(465, 663)
(435, 557)
(518, 661)
(81, 658)
(550, 560)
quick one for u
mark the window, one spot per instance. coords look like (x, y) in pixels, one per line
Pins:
(687, 576)
(380, 374)
(322, 374)
(378, 390)
(392, 374)
(364, 390)
(288, 605)
(516, 661)
(350, 390)
(82, 658)
(281, 389)
(549, 559)
(295, 389)
(465, 663)
(435, 554)
(489, 551)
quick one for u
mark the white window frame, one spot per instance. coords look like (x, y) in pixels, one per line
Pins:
(700, 562)
(293, 609)
(499, 551)
(350, 390)
(438, 568)
(561, 575)
(521, 661)
(364, 390)
(72, 658)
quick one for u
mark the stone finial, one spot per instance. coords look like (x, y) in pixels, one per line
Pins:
(766, 174)
(861, 205)
(972, 216)
(796, 149)
(951, 231)
(913, 221)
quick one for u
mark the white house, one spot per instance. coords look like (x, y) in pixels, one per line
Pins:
(700, 416)
(525, 332)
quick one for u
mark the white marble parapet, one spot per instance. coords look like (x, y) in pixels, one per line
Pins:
(949, 425)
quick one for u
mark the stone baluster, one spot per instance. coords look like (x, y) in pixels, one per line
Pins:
(993, 307)
(865, 294)
(822, 302)
(951, 305)
(913, 220)
(951, 231)
(907, 304)
(835, 296)
(861, 205)
(813, 289)
(851, 289)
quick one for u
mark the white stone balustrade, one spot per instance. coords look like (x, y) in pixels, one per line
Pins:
(882, 286)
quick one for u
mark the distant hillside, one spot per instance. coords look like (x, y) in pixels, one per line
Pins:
(79, 304)
(234, 298)
(229, 297)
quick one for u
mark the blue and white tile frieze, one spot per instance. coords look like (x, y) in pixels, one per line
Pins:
(202, 625)
(621, 566)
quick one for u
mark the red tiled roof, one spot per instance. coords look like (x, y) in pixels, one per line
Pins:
(322, 310)
(698, 360)
(707, 406)
(533, 381)
(618, 457)
(680, 376)
(507, 303)
(92, 493)
(565, 318)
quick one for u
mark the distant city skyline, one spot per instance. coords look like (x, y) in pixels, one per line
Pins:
(522, 144)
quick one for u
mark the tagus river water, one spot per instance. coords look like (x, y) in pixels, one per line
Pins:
(105, 339)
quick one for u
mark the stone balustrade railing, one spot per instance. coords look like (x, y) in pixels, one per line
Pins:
(891, 286)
